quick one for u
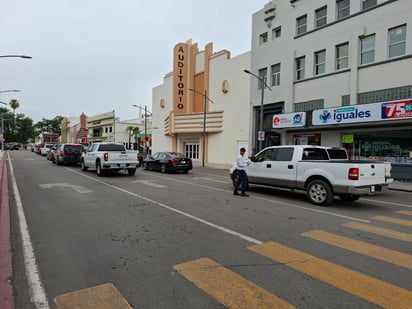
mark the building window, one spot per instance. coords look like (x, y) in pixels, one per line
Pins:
(308, 105)
(276, 32)
(346, 100)
(300, 68)
(320, 17)
(275, 77)
(320, 62)
(106, 130)
(366, 4)
(192, 150)
(301, 23)
(262, 74)
(367, 52)
(110, 129)
(342, 8)
(397, 41)
(342, 56)
(384, 95)
(263, 38)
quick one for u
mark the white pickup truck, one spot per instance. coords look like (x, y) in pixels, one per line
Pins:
(106, 157)
(322, 172)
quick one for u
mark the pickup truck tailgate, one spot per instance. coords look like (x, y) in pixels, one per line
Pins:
(371, 173)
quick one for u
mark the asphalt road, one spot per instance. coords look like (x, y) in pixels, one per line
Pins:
(184, 241)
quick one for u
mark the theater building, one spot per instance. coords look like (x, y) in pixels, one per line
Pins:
(339, 73)
(202, 107)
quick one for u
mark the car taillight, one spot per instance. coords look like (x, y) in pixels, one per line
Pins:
(353, 173)
(173, 161)
(106, 156)
(62, 153)
(190, 161)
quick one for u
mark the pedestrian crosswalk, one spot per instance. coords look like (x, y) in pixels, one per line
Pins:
(234, 291)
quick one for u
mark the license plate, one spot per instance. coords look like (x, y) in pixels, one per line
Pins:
(372, 188)
(183, 161)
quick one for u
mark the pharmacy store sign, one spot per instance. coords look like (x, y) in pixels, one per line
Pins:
(394, 110)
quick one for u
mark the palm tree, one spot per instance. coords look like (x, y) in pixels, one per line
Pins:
(14, 104)
(132, 131)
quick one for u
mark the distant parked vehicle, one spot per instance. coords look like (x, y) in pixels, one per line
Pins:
(168, 162)
(68, 154)
(51, 155)
(45, 150)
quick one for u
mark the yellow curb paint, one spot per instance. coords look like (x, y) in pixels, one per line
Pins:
(405, 212)
(371, 289)
(230, 289)
(393, 220)
(377, 252)
(379, 231)
(105, 296)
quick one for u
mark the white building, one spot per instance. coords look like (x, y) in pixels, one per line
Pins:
(339, 72)
(206, 92)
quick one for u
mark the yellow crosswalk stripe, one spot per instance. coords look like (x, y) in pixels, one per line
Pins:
(371, 289)
(405, 212)
(379, 231)
(105, 296)
(377, 252)
(230, 289)
(393, 220)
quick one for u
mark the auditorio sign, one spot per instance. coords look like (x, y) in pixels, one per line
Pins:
(289, 120)
(393, 110)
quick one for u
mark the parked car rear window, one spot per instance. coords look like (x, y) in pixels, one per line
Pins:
(73, 148)
(337, 154)
(111, 147)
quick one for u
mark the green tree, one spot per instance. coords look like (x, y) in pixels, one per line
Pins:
(133, 131)
(49, 125)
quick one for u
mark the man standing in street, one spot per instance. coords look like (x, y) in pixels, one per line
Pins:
(241, 164)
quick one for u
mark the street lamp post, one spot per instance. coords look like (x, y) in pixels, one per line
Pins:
(263, 85)
(16, 56)
(145, 125)
(206, 98)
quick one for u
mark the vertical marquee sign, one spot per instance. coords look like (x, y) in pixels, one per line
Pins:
(180, 77)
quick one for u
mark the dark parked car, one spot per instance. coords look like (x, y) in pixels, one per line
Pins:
(68, 153)
(168, 162)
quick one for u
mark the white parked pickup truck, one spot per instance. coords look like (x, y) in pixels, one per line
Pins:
(322, 172)
(106, 157)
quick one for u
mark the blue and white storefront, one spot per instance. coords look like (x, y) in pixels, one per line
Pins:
(376, 131)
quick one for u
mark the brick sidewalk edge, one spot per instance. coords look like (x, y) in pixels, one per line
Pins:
(6, 288)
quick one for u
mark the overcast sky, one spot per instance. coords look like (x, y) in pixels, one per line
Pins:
(95, 56)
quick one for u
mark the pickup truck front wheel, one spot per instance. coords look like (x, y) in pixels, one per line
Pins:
(319, 192)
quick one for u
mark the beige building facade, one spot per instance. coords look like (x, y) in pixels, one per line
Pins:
(202, 107)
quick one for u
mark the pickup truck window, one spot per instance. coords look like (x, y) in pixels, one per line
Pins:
(283, 154)
(314, 154)
(337, 154)
(111, 147)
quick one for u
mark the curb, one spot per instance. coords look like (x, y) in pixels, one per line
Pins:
(6, 288)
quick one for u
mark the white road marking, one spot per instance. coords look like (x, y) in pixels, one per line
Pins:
(77, 188)
(209, 179)
(37, 294)
(149, 183)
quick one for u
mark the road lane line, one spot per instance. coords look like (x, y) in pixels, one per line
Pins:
(371, 289)
(377, 252)
(393, 220)
(227, 287)
(379, 231)
(37, 294)
(105, 296)
(386, 203)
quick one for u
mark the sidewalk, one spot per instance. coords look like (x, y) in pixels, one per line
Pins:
(404, 186)
(6, 289)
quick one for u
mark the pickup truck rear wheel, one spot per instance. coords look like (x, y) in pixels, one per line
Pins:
(319, 192)
(131, 171)
(99, 169)
(84, 167)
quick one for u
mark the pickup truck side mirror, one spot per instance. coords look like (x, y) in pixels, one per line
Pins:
(253, 158)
